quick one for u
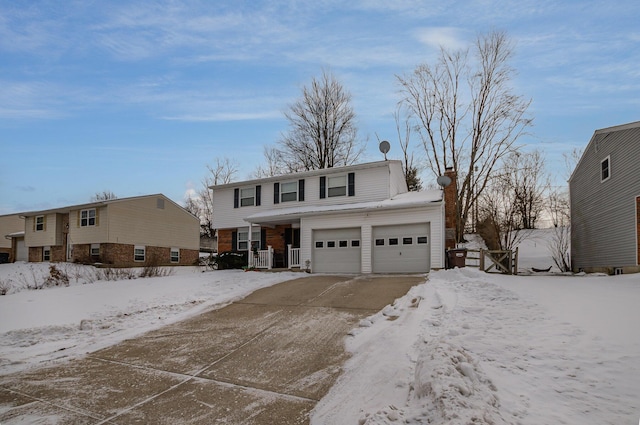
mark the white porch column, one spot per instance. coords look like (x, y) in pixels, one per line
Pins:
(269, 257)
(249, 247)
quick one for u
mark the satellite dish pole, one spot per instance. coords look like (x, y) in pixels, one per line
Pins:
(384, 148)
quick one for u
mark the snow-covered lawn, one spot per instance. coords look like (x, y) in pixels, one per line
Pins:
(63, 322)
(465, 347)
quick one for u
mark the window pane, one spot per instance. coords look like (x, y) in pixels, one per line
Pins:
(319, 244)
(337, 191)
(243, 236)
(355, 243)
(344, 244)
(242, 246)
(337, 181)
(393, 241)
(379, 242)
(287, 197)
(331, 244)
(422, 239)
(407, 241)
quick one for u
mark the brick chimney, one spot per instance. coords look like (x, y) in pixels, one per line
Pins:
(450, 202)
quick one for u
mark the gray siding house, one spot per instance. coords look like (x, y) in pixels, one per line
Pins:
(605, 202)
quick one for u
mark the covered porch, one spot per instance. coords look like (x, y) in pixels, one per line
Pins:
(278, 245)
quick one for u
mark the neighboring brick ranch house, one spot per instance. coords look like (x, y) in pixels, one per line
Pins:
(354, 219)
(125, 232)
(605, 202)
(11, 226)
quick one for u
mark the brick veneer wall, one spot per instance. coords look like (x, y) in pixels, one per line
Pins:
(121, 255)
(225, 240)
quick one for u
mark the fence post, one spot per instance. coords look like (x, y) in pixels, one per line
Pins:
(515, 262)
(481, 259)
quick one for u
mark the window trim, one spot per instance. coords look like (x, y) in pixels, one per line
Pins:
(46, 253)
(295, 184)
(94, 246)
(177, 256)
(39, 227)
(252, 197)
(343, 186)
(88, 218)
(136, 255)
(608, 169)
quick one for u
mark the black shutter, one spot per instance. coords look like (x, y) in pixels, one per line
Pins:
(236, 198)
(234, 240)
(301, 190)
(263, 238)
(276, 193)
(258, 190)
(351, 177)
(323, 187)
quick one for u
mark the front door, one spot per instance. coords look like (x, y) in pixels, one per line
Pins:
(291, 237)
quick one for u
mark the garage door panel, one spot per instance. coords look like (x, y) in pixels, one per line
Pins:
(402, 248)
(336, 250)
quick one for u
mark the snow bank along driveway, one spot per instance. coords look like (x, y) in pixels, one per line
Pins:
(487, 349)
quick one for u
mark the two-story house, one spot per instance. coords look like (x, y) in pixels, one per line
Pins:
(11, 227)
(124, 232)
(354, 219)
(605, 202)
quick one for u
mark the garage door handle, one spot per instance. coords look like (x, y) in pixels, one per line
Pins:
(401, 253)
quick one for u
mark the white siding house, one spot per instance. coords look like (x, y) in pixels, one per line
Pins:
(355, 219)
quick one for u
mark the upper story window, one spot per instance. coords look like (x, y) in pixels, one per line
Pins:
(605, 169)
(288, 191)
(337, 186)
(39, 224)
(88, 217)
(246, 197)
(341, 185)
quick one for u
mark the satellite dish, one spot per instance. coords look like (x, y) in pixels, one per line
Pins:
(384, 148)
(444, 181)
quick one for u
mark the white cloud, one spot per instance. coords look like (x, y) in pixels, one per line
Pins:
(448, 37)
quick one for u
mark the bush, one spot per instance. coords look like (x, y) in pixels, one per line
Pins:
(231, 260)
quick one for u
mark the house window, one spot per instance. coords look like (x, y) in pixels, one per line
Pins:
(605, 169)
(289, 192)
(88, 217)
(331, 244)
(95, 249)
(46, 253)
(393, 241)
(160, 203)
(247, 197)
(337, 186)
(39, 223)
(343, 244)
(379, 242)
(175, 255)
(422, 239)
(407, 241)
(243, 239)
(319, 244)
(138, 253)
(355, 243)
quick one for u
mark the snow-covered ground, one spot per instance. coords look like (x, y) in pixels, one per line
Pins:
(465, 347)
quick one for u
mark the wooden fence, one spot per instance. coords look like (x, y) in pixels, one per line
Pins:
(505, 262)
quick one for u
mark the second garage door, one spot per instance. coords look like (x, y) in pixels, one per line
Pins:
(336, 250)
(402, 248)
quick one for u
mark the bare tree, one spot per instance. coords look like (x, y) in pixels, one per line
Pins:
(223, 171)
(528, 182)
(323, 132)
(105, 195)
(409, 163)
(467, 115)
(273, 166)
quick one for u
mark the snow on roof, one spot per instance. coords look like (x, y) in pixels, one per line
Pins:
(403, 200)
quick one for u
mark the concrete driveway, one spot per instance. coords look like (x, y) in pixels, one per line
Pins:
(266, 359)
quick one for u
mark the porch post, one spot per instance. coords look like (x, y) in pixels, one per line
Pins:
(269, 257)
(249, 247)
(289, 254)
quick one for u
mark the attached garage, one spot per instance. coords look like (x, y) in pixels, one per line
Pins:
(401, 248)
(337, 250)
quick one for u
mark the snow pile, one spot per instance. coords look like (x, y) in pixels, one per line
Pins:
(493, 349)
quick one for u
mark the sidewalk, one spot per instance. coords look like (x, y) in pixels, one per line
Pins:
(267, 359)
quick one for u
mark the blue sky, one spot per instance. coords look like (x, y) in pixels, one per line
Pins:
(138, 97)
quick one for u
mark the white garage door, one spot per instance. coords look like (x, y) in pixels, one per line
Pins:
(336, 251)
(402, 248)
(22, 253)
